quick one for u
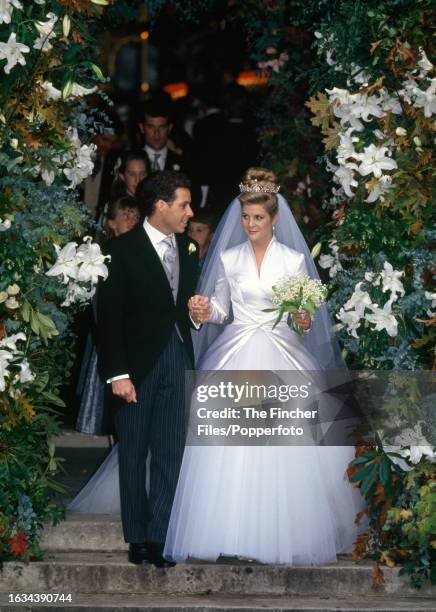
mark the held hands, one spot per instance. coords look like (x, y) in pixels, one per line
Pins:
(124, 389)
(303, 319)
(199, 308)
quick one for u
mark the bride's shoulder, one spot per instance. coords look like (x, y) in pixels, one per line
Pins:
(231, 254)
(289, 253)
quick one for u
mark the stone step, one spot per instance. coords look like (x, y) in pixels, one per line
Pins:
(111, 573)
(85, 532)
(159, 603)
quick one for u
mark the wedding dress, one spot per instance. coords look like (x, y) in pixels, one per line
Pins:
(275, 504)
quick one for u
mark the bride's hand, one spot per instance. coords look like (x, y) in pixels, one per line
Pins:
(199, 308)
(303, 319)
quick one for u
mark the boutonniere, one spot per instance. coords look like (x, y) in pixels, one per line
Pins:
(176, 167)
(191, 248)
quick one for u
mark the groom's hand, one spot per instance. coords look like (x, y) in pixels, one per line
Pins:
(199, 308)
(124, 389)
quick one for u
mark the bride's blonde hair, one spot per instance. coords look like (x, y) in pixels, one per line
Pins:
(259, 186)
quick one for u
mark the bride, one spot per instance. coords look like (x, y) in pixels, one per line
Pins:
(275, 504)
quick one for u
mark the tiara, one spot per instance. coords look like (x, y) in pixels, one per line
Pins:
(255, 187)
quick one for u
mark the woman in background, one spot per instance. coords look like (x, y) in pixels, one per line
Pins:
(121, 216)
(133, 167)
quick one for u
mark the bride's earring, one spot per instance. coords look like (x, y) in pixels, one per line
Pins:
(274, 229)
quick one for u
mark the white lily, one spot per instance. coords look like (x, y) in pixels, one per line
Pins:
(26, 374)
(374, 161)
(383, 319)
(10, 342)
(6, 9)
(351, 320)
(416, 453)
(346, 146)
(46, 32)
(383, 184)
(52, 92)
(391, 279)
(424, 63)
(5, 225)
(364, 107)
(66, 263)
(76, 293)
(426, 99)
(12, 51)
(345, 177)
(5, 357)
(78, 90)
(91, 263)
(358, 301)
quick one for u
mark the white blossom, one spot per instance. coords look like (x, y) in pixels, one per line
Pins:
(6, 9)
(66, 263)
(13, 289)
(12, 51)
(77, 293)
(346, 146)
(358, 301)
(391, 279)
(374, 161)
(416, 453)
(91, 262)
(426, 99)
(345, 177)
(10, 342)
(5, 225)
(5, 357)
(26, 374)
(351, 320)
(331, 262)
(48, 176)
(12, 303)
(383, 184)
(383, 319)
(78, 90)
(52, 92)
(46, 32)
(424, 63)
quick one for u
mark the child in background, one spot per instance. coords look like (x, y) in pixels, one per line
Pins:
(200, 229)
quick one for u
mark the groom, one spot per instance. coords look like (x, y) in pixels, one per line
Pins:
(144, 349)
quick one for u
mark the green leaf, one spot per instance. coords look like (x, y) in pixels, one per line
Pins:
(385, 471)
(97, 71)
(54, 399)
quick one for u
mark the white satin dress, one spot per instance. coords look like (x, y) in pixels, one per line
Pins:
(274, 504)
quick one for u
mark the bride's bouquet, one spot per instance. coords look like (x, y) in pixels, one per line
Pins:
(297, 293)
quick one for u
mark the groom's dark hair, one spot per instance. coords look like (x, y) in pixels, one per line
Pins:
(160, 185)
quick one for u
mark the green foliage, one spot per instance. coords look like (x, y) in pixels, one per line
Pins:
(41, 162)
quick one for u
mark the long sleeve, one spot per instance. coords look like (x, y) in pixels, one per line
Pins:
(220, 301)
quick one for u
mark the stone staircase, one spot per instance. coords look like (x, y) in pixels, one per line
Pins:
(86, 556)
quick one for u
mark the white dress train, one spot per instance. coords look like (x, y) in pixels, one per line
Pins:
(274, 504)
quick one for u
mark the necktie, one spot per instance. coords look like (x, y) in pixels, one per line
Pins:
(155, 164)
(168, 259)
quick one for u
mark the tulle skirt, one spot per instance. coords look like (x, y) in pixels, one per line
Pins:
(273, 504)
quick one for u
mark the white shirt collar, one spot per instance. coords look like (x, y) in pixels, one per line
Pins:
(152, 152)
(155, 235)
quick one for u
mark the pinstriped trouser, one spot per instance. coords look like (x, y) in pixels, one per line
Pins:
(155, 422)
